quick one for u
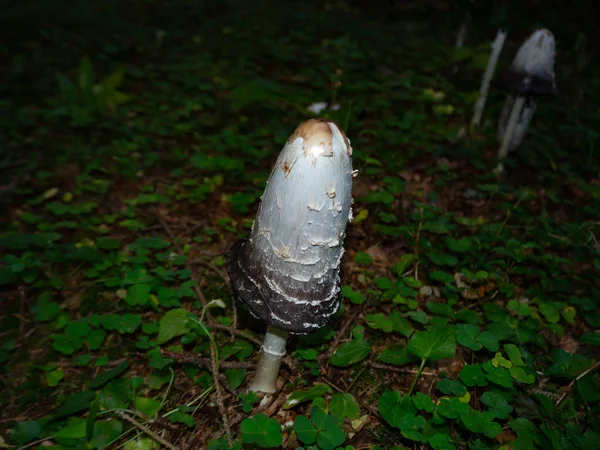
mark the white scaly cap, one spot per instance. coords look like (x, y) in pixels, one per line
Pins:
(287, 271)
(532, 69)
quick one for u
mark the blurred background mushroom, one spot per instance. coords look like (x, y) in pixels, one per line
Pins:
(530, 76)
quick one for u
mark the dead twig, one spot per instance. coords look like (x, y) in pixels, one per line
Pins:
(577, 378)
(217, 382)
(239, 333)
(375, 365)
(145, 429)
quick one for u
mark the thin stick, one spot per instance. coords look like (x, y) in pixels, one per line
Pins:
(579, 377)
(375, 365)
(239, 333)
(145, 429)
(34, 443)
(215, 374)
(487, 77)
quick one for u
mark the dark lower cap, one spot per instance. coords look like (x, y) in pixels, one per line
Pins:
(526, 85)
(251, 287)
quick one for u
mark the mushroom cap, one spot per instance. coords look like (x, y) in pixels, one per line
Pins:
(287, 270)
(532, 70)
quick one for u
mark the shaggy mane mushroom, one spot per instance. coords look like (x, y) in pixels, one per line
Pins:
(287, 270)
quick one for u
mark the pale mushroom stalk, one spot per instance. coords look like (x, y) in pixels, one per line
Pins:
(487, 77)
(511, 126)
(287, 270)
(273, 350)
(530, 76)
(522, 124)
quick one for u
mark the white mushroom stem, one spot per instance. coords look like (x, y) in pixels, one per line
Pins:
(487, 77)
(273, 350)
(523, 124)
(510, 128)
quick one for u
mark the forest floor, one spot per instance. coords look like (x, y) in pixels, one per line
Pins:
(137, 138)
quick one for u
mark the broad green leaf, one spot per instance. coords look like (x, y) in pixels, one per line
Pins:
(26, 431)
(393, 407)
(400, 324)
(117, 394)
(592, 338)
(472, 375)
(318, 390)
(436, 343)
(108, 375)
(54, 377)
(568, 314)
(451, 387)
(551, 313)
(443, 277)
(442, 259)
(363, 258)
(513, 354)
(138, 294)
(400, 267)
(45, 309)
(397, 355)
(181, 417)
(105, 432)
(331, 433)
(498, 375)
(305, 430)
(344, 405)
(74, 429)
(172, 324)
(380, 322)
(439, 309)
(519, 308)
(589, 388)
(459, 245)
(488, 340)
(501, 361)
(355, 297)
(148, 406)
(520, 374)
(350, 353)
(74, 403)
(466, 336)
(95, 339)
(235, 377)
(262, 431)
(410, 426)
(441, 442)
(497, 404)
(451, 407)
(423, 402)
